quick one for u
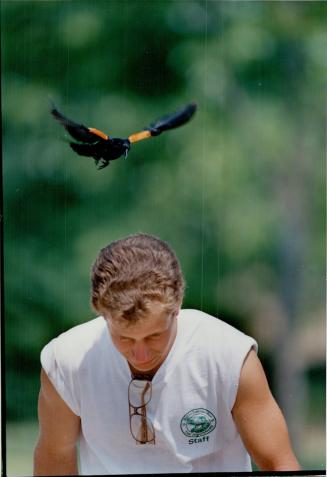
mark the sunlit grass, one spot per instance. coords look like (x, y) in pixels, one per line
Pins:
(21, 439)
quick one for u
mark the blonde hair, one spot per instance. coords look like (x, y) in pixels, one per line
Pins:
(130, 274)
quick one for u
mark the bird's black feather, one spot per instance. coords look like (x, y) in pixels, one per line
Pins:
(77, 131)
(174, 120)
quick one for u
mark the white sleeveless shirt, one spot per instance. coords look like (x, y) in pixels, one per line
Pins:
(193, 393)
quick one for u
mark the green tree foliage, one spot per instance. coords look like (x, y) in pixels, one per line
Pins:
(238, 192)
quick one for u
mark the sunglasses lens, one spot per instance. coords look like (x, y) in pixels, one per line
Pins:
(139, 393)
(142, 429)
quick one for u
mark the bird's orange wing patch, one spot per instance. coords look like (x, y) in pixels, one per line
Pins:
(98, 133)
(139, 136)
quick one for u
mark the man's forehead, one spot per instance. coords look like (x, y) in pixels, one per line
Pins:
(149, 324)
(153, 312)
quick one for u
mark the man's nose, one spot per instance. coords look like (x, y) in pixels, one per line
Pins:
(141, 352)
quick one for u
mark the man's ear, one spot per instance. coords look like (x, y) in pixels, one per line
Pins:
(106, 316)
(176, 312)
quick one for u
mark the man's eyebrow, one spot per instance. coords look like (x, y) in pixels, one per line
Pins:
(148, 336)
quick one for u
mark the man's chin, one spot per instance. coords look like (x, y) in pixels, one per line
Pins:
(145, 367)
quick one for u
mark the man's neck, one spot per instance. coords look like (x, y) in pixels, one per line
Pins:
(143, 375)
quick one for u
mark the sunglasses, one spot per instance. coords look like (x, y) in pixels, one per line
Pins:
(139, 395)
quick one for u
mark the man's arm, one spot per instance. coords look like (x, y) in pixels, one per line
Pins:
(55, 452)
(260, 422)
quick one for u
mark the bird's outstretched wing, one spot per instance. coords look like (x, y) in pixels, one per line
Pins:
(169, 121)
(174, 120)
(78, 131)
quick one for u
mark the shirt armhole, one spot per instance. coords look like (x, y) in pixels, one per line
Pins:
(247, 345)
(63, 384)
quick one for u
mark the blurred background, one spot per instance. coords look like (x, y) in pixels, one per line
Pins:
(239, 192)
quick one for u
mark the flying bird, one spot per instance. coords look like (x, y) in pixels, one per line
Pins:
(104, 148)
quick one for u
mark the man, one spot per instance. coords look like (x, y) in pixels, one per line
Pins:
(149, 388)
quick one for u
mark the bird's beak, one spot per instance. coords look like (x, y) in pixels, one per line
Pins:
(127, 145)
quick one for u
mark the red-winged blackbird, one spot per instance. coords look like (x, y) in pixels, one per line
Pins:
(103, 148)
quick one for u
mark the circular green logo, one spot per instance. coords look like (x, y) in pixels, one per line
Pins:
(198, 422)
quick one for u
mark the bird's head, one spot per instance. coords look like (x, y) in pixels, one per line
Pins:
(126, 146)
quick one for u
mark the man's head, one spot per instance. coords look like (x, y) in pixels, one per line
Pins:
(138, 286)
(131, 274)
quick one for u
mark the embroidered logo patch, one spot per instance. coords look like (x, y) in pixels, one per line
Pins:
(198, 422)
